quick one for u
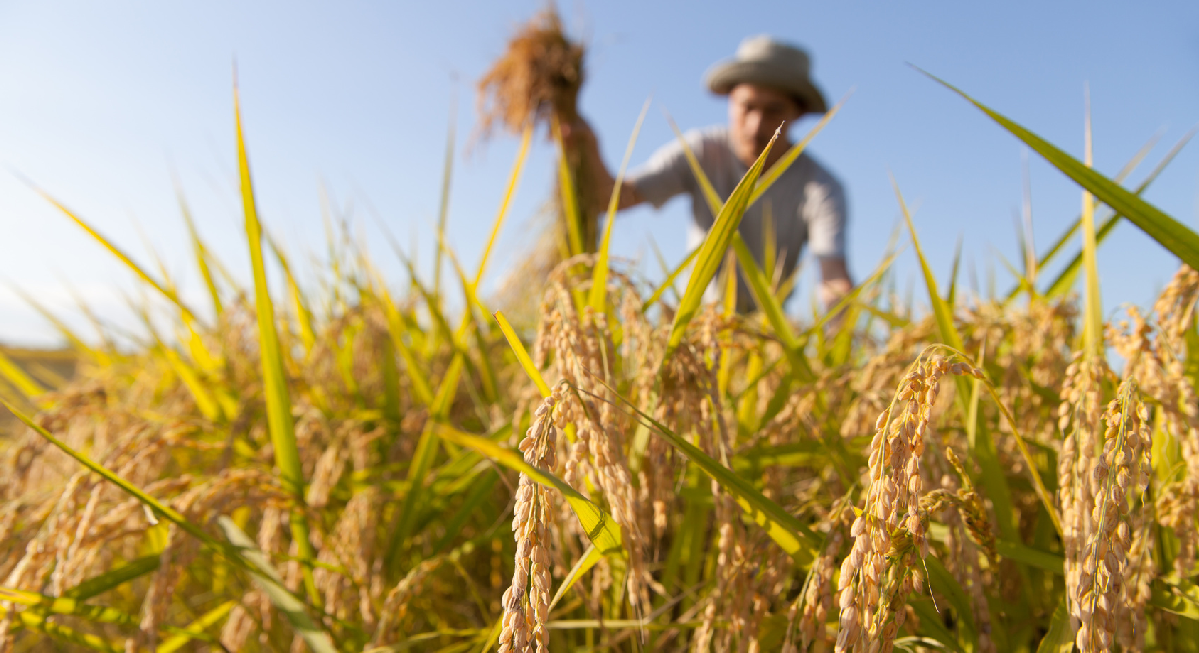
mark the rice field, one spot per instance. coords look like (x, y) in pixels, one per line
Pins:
(349, 467)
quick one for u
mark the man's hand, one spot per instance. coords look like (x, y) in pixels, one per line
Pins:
(834, 285)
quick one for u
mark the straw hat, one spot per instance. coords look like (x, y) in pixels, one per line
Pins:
(763, 60)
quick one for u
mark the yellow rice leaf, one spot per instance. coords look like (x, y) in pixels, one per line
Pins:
(522, 355)
(600, 527)
(1060, 638)
(271, 583)
(274, 376)
(789, 157)
(570, 200)
(717, 242)
(13, 373)
(1092, 301)
(599, 275)
(196, 630)
(120, 255)
(443, 209)
(585, 563)
(525, 139)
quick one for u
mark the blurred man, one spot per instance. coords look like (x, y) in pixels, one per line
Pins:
(768, 85)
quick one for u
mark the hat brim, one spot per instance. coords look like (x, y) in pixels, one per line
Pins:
(723, 77)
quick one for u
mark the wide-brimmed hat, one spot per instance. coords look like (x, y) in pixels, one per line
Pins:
(763, 60)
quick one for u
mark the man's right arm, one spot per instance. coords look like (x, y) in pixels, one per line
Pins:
(580, 135)
(664, 176)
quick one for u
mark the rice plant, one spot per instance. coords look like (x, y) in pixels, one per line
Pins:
(347, 467)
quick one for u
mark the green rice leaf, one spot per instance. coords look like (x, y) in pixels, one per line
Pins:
(1051, 562)
(570, 200)
(522, 355)
(1180, 600)
(788, 532)
(77, 343)
(443, 207)
(941, 310)
(789, 157)
(274, 375)
(1063, 283)
(717, 242)
(933, 626)
(526, 138)
(197, 628)
(268, 580)
(1065, 280)
(113, 578)
(1060, 638)
(13, 373)
(141, 273)
(1168, 232)
(773, 309)
(1092, 302)
(599, 274)
(601, 528)
(200, 251)
(42, 624)
(668, 283)
(584, 564)
(303, 314)
(715, 202)
(47, 605)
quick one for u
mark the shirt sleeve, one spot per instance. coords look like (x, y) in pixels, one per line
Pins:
(826, 216)
(667, 172)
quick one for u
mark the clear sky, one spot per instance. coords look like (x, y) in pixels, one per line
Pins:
(100, 103)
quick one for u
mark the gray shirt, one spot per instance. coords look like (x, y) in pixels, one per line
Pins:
(806, 204)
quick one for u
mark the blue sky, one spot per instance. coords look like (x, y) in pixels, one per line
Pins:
(103, 102)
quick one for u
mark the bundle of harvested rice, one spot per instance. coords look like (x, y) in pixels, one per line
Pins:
(537, 80)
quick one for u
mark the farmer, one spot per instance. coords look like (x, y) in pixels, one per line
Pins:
(768, 85)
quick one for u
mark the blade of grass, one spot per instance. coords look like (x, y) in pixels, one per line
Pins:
(200, 251)
(984, 451)
(1168, 232)
(570, 200)
(599, 274)
(303, 313)
(77, 343)
(24, 383)
(113, 578)
(526, 138)
(773, 309)
(196, 629)
(717, 242)
(443, 209)
(522, 355)
(1060, 638)
(788, 532)
(1092, 302)
(269, 581)
(584, 564)
(601, 528)
(789, 157)
(668, 283)
(44, 625)
(1065, 279)
(274, 376)
(118, 253)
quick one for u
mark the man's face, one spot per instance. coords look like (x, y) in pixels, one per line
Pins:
(755, 112)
